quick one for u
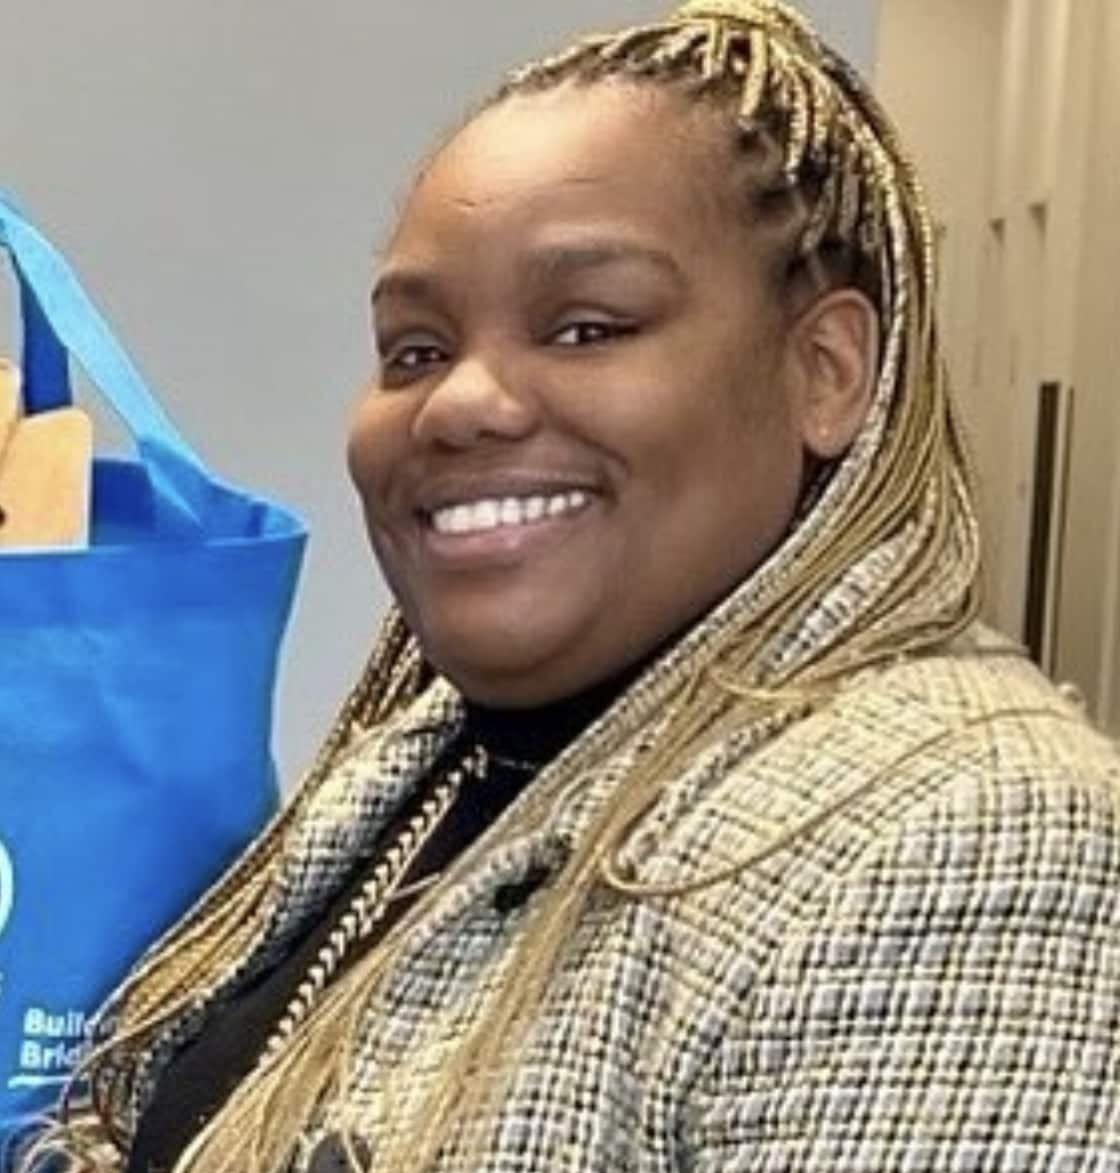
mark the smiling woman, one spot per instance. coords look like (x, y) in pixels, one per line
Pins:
(684, 818)
(586, 390)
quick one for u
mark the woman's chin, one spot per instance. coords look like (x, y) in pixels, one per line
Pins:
(502, 680)
(508, 666)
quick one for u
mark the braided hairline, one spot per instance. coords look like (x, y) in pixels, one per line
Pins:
(818, 175)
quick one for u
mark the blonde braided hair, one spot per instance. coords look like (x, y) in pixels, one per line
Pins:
(885, 563)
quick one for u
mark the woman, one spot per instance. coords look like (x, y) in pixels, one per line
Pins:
(684, 819)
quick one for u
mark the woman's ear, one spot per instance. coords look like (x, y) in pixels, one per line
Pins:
(834, 346)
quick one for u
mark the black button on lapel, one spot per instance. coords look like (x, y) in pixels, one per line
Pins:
(511, 896)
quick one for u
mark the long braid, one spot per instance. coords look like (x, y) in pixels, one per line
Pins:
(830, 194)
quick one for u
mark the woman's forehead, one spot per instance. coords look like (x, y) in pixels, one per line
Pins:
(607, 149)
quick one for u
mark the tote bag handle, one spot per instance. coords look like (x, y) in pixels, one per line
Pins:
(60, 320)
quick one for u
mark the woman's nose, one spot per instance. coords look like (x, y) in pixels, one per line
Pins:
(473, 403)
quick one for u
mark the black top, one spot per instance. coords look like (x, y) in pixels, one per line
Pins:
(198, 1081)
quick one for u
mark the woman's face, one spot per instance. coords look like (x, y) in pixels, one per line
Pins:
(580, 436)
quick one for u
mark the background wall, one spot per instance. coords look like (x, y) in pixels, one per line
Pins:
(1022, 152)
(221, 173)
(951, 128)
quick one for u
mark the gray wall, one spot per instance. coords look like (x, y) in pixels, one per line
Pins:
(221, 173)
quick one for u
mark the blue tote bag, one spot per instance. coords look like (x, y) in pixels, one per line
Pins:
(136, 681)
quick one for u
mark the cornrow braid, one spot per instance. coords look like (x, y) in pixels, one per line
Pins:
(885, 563)
(763, 62)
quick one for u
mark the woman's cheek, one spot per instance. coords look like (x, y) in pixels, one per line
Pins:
(376, 443)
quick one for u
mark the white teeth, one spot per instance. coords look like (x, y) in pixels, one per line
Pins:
(460, 519)
(492, 512)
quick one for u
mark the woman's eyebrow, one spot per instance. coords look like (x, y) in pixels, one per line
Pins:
(541, 264)
(563, 260)
(408, 283)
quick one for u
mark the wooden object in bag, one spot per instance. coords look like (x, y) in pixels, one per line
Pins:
(46, 462)
(9, 402)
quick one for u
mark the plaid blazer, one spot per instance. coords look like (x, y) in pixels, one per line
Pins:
(915, 969)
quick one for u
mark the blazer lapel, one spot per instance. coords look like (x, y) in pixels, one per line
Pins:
(375, 776)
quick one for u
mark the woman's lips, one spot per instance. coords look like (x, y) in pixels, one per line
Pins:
(489, 513)
(491, 531)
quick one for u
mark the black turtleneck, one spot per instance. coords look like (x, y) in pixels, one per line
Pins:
(198, 1081)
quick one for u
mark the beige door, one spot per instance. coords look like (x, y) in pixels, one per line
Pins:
(1012, 108)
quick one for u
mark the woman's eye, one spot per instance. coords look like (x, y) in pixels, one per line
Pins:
(589, 333)
(408, 360)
